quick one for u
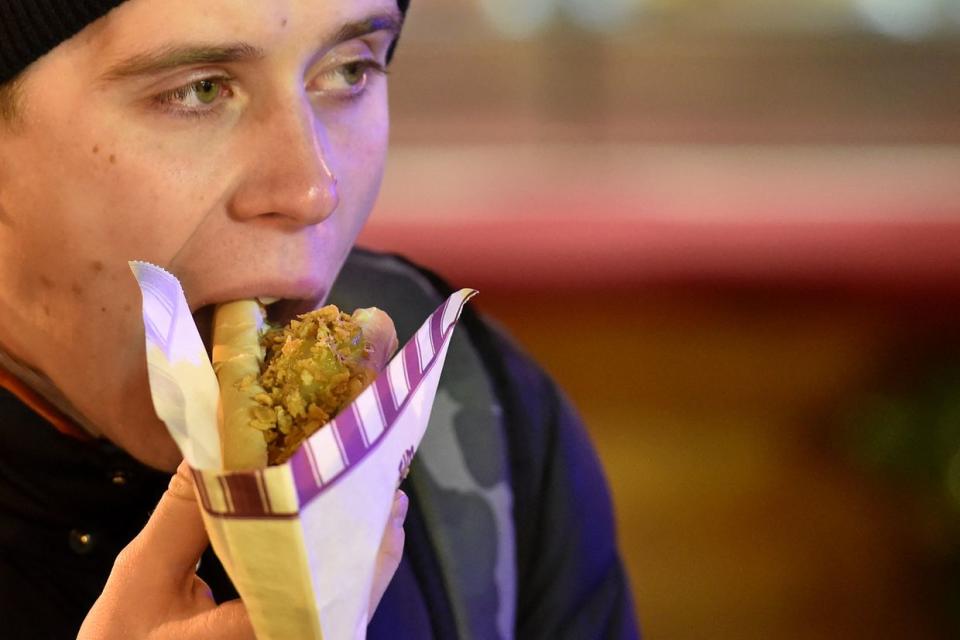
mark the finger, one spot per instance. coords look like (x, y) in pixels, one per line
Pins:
(229, 621)
(174, 538)
(391, 550)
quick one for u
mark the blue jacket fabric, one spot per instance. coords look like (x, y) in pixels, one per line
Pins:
(509, 533)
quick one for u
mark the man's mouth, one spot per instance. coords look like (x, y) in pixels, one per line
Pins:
(280, 311)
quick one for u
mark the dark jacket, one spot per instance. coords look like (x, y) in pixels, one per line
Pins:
(509, 532)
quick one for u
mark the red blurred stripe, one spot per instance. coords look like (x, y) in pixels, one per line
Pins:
(545, 252)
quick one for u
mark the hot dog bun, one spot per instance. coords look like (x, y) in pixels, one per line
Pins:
(279, 385)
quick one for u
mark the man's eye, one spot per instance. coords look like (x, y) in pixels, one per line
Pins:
(348, 80)
(207, 90)
(353, 73)
(198, 96)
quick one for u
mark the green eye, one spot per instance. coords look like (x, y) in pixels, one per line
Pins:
(353, 73)
(207, 90)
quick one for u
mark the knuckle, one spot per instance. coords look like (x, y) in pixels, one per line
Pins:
(126, 560)
(394, 547)
(181, 485)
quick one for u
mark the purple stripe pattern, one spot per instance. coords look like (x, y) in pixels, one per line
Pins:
(246, 494)
(350, 435)
(304, 466)
(408, 360)
(202, 490)
(436, 329)
(411, 364)
(384, 393)
(262, 488)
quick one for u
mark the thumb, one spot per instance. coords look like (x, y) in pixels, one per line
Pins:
(228, 621)
(174, 538)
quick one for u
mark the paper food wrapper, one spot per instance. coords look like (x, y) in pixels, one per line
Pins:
(299, 540)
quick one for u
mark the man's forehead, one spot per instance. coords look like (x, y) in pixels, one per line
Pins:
(139, 23)
(103, 26)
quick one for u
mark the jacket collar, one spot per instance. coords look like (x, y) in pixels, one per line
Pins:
(39, 394)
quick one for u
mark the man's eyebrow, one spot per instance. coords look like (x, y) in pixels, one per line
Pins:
(390, 22)
(171, 57)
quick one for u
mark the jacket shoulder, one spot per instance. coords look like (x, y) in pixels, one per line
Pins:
(407, 292)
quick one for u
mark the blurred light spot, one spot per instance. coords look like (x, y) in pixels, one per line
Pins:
(519, 18)
(908, 19)
(600, 15)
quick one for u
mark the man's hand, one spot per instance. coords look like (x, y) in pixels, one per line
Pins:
(154, 593)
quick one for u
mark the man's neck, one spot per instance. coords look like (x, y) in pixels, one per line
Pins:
(42, 385)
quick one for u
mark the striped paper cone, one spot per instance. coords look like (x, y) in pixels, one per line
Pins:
(299, 540)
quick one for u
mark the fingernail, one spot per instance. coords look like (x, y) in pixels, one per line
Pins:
(401, 503)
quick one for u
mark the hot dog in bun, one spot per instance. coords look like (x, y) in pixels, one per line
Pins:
(278, 385)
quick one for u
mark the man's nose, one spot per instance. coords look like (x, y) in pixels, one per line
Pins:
(287, 172)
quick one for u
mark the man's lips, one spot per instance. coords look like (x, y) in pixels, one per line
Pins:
(284, 310)
(209, 292)
(279, 313)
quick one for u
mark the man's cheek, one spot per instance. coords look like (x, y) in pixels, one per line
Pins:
(149, 213)
(359, 195)
(360, 137)
(89, 201)
(363, 158)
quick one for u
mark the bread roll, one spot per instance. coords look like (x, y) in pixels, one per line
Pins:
(279, 385)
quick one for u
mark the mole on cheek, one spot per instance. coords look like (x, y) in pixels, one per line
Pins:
(96, 148)
(97, 266)
(283, 22)
(76, 289)
(46, 282)
(113, 159)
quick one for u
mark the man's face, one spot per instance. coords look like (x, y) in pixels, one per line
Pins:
(239, 145)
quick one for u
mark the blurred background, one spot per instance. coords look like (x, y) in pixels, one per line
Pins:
(731, 230)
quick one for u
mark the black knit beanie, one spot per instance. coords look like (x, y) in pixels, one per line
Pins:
(31, 28)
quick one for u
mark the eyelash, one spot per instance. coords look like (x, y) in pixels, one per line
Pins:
(167, 100)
